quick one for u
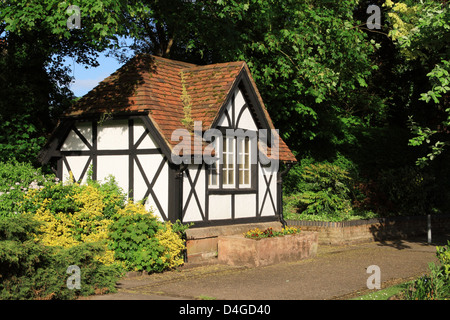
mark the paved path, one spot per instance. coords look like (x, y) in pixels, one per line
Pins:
(335, 273)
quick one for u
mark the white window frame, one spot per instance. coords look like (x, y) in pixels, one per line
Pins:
(234, 162)
(228, 162)
(244, 162)
(214, 176)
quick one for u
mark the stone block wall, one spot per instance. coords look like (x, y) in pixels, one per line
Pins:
(352, 232)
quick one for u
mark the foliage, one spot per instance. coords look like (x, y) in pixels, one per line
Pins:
(326, 191)
(31, 270)
(19, 138)
(258, 234)
(436, 285)
(113, 196)
(388, 293)
(34, 82)
(181, 228)
(408, 190)
(15, 179)
(421, 31)
(142, 242)
(291, 203)
(73, 214)
(309, 59)
(173, 246)
(339, 93)
(187, 120)
(57, 225)
(300, 54)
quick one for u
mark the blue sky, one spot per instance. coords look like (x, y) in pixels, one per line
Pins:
(87, 79)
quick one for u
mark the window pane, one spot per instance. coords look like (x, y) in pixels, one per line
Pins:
(213, 180)
(244, 159)
(228, 155)
(230, 159)
(225, 176)
(214, 174)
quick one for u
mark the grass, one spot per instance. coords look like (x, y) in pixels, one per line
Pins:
(205, 297)
(384, 294)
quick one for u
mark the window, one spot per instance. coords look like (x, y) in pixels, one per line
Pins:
(214, 170)
(244, 162)
(228, 162)
(228, 174)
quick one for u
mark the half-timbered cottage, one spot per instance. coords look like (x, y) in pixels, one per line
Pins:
(128, 127)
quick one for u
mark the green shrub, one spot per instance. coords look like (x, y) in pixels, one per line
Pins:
(72, 214)
(113, 196)
(137, 239)
(30, 270)
(326, 192)
(436, 285)
(73, 220)
(291, 204)
(408, 190)
(15, 179)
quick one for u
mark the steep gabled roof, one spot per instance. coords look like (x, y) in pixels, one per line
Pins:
(155, 85)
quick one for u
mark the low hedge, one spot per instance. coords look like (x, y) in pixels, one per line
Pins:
(31, 270)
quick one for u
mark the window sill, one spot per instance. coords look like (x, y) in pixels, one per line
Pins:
(231, 190)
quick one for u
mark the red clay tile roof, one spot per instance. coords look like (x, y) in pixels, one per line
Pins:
(155, 84)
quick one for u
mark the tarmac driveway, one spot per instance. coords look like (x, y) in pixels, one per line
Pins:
(337, 272)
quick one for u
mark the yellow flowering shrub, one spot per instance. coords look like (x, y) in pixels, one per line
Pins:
(71, 214)
(74, 214)
(56, 229)
(133, 208)
(91, 201)
(173, 245)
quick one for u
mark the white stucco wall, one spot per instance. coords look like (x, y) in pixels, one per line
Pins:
(194, 209)
(113, 135)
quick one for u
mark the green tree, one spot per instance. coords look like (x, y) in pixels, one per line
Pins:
(34, 84)
(311, 60)
(422, 33)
